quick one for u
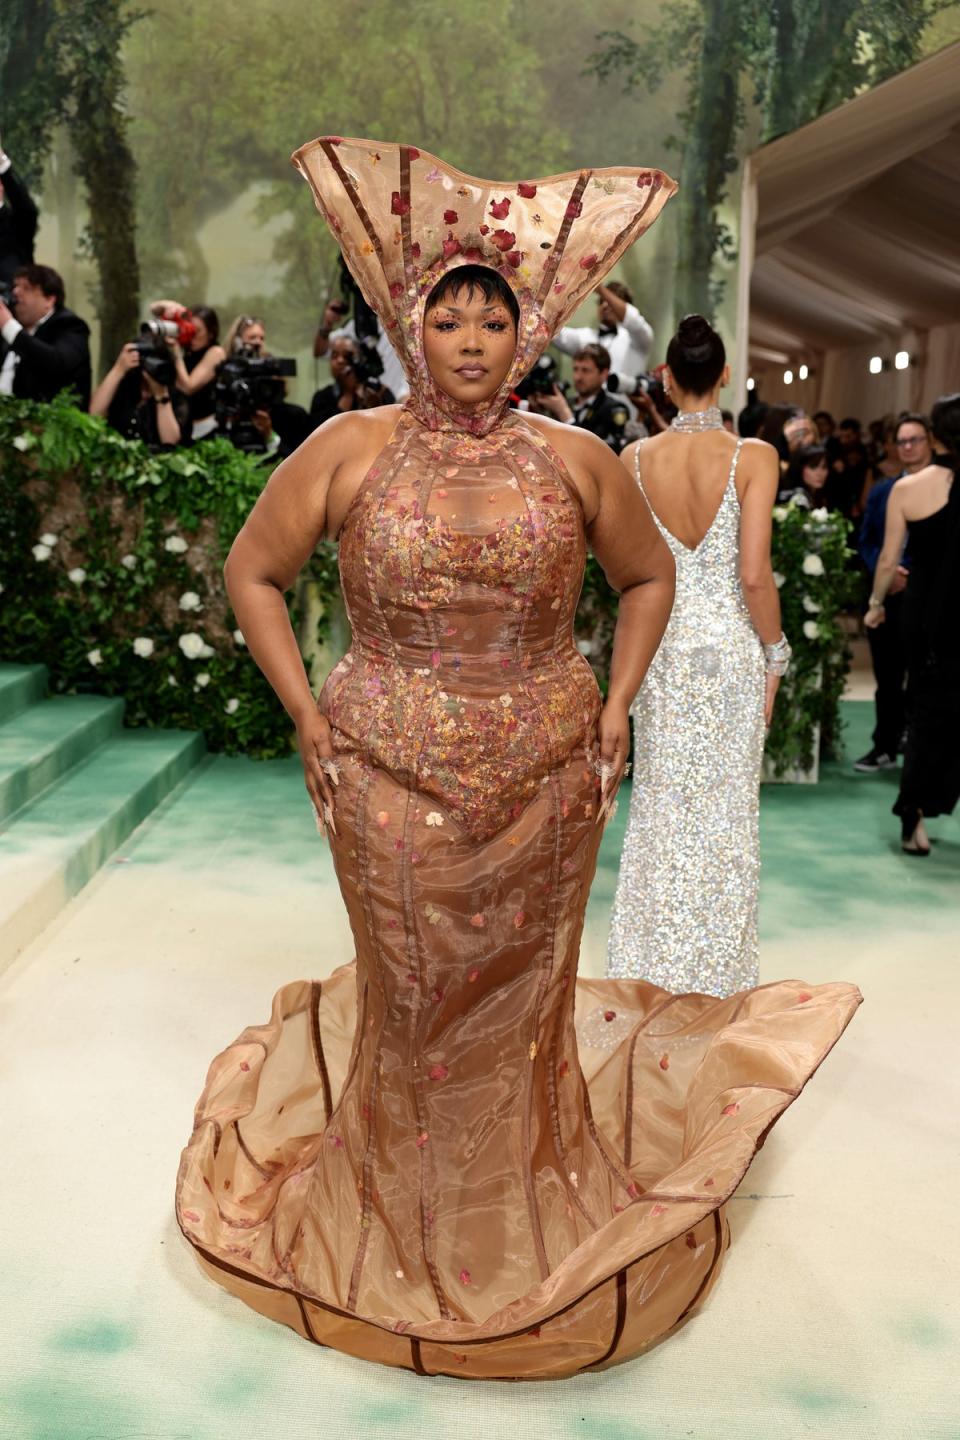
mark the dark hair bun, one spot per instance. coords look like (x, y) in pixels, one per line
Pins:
(696, 336)
(696, 355)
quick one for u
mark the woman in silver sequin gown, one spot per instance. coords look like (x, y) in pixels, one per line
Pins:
(685, 910)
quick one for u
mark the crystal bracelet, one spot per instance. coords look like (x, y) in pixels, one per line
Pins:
(778, 656)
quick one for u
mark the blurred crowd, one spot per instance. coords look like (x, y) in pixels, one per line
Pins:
(180, 380)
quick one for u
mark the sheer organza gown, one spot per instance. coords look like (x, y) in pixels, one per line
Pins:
(415, 1160)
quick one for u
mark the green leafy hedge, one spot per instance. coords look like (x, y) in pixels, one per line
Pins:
(111, 573)
(111, 570)
(811, 567)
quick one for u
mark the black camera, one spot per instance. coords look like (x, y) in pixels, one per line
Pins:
(368, 366)
(542, 379)
(155, 357)
(245, 383)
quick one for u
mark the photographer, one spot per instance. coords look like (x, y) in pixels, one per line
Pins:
(621, 330)
(354, 387)
(197, 356)
(364, 328)
(594, 407)
(135, 396)
(18, 223)
(44, 348)
(281, 425)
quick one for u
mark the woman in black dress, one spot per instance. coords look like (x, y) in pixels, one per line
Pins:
(928, 503)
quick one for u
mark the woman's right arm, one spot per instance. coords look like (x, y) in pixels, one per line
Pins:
(279, 536)
(762, 475)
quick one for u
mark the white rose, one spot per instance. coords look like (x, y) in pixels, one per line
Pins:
(190, 600)
(172, 680)
(94, 657)
(812, 565)
(49, 539)
(42, 552)
(175, 544)
(238, 638)
(821, 513)
(143, 646)
(778, 579)
(811, 606)
(779, 512)
(232, 705)
(811, 629)
(202, 680)
(194, 646)
(77, 576)
(129, 562)
(24, 442)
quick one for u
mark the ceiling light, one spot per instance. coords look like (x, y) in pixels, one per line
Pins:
(902, 359)
(788, 377)
(803, 372)
(876, 364)
(751, 383)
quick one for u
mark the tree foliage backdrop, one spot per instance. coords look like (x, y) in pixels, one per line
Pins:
(208, 100)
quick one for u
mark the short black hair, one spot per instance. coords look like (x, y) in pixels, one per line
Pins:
(599, 354)
(807, 455)
(851, 423)
(47, 280)
(910, 417)
(823, 415)
(488, 281)
(617, 287)
(696, 355)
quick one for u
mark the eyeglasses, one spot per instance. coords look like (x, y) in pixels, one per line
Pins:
(911, 440)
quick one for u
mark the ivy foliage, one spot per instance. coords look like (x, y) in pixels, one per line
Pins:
(793, 59)
(61, 63)
(811, 563)
(111, 564)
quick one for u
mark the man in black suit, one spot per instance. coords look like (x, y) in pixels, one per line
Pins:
(44, 347)
(18, 222)
(594, 408)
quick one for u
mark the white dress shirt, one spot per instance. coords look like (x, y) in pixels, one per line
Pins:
(628, 345)
(11, 360)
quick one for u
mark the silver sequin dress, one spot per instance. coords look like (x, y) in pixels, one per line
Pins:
(685, 910)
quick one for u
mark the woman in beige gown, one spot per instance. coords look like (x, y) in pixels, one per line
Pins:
(416, 1160)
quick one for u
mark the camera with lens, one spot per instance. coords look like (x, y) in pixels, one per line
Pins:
(368, 366)
(245, 383)
(542, 379)
(155, 357)
(6, 295)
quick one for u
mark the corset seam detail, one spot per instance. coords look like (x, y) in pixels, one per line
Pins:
(427, 1188)
(367, 1165)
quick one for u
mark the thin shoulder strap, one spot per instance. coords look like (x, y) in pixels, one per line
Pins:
(736, 457)
(636, 466)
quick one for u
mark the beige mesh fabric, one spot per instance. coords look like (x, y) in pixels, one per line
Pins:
(403, 219)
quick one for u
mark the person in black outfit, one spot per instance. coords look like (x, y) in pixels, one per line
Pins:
(141, 407)
(928, 506)
(18, 222)
(347, 391)
(44, 347)
(887, 649)
(594, 407)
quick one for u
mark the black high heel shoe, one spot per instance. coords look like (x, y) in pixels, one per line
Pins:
(913, 836)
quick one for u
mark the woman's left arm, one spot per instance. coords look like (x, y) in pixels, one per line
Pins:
(894, 534)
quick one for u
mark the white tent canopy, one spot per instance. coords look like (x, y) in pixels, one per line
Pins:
(850, 248)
